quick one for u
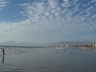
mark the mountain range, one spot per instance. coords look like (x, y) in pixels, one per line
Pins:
(73, 42)
(13, 43)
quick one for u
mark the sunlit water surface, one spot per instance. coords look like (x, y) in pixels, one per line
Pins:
(48, 60)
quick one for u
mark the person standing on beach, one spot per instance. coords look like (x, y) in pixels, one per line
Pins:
(3, 52)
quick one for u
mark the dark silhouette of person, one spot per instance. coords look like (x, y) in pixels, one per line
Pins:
(3, 52)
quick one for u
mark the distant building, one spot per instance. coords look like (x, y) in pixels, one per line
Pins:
(94, 45)
(67, 45)
(62, 45)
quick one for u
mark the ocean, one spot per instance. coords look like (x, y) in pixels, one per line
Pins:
(48, 60)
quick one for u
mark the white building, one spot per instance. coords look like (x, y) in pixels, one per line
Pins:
(94, 45)
(67, 45)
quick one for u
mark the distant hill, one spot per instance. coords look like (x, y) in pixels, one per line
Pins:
(13, 43)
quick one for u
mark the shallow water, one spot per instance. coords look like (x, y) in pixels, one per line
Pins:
(48, 60)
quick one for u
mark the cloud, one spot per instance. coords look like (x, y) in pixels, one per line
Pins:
(52, 17)
(3, 4)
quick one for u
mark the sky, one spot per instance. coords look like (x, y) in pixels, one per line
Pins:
(45, 21)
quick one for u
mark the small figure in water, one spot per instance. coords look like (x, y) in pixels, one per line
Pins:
(3, 52)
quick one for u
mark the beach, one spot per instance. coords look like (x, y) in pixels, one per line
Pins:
(48, 60)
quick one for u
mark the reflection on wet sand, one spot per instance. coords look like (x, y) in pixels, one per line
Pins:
(2, 62)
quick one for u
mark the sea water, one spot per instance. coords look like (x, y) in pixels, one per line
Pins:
(48, 60)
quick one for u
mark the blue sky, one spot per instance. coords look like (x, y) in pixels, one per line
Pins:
(44, 21)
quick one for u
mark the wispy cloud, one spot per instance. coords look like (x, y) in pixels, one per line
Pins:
(53, 17)
(3, 4)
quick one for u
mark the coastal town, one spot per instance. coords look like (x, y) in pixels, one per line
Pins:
(93, 45)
